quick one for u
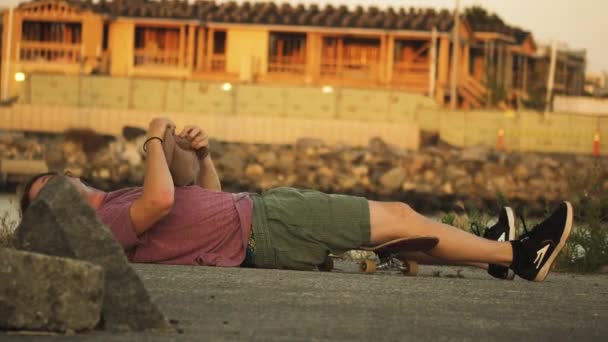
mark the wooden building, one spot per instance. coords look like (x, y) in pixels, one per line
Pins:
(49, 37)
(407, 50)
(502, 57)
(570, 68)
(515, 69)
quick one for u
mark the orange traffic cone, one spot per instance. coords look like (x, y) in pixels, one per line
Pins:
(500, 145)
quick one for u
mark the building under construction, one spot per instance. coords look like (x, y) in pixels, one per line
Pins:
(484, 63)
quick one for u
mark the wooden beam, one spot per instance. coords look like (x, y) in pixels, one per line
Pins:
(421, 50)
(328, 31)
(493, 36)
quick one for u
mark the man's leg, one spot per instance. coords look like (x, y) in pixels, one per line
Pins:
(393, 220)
(426, 259)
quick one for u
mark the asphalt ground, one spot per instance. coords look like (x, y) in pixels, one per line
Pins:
(441, 303)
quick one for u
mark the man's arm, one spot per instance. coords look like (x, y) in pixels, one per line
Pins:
(207, 177)
(156, 200)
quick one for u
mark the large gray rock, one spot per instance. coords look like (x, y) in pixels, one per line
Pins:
(59, 222)
(40, 292)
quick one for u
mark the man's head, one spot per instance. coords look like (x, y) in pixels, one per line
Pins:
(36, 183)
(33, 187)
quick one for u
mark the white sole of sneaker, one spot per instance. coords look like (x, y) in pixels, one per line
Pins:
(511, 237)
(542, 274)
(511, 219)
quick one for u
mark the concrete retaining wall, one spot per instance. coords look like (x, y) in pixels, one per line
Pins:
(232, 128)
(276, 114)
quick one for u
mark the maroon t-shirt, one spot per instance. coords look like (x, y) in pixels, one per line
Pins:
(204, 227)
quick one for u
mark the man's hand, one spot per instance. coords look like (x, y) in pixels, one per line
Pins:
(158, 127)
(197, 137)
(199, 140)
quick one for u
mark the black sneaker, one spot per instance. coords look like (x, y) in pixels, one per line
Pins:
(503, 230)
(535, 251)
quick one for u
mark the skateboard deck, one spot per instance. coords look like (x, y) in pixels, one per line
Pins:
(388, 255)
(411, 244)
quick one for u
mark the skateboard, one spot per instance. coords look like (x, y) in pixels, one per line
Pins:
(388, 255)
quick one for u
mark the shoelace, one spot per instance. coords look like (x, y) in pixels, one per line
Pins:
(528, 233)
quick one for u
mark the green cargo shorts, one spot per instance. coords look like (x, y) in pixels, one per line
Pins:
(297, 229)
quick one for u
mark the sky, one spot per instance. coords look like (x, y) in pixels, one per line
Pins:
(582, 24)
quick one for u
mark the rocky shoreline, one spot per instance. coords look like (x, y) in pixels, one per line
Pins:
(435, 178)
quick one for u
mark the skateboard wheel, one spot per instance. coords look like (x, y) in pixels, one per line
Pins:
(367, 266)
(327, 265)
(410, 268)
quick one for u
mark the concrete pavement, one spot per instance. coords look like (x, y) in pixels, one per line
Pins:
(222, 304)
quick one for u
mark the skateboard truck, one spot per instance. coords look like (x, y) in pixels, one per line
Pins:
(390, 255)
(389, 262)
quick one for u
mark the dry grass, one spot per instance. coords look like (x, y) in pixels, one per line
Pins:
(8, 223)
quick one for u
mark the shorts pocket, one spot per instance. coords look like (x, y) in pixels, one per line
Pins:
(301, 258)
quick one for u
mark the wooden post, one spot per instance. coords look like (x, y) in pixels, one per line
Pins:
(340, 51)
(182, 45)
(525, 76)
(7, 64)
(465, 60)
(488, 61)
(433, 61)
(551, 77)
(200, 48)
(390, 53)
(313, 57)
(499, 66)
(209, 51)
(191, 34)
(279, 51)
(443, 68)
(492, 70)
(565, 77)
(455, 48)
(508, 70)
(382, 70)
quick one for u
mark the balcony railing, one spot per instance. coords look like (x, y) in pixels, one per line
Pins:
(156, 58)
(286, 65)
(352, 69)
(49, 52)
(412, 75)
(218, 63)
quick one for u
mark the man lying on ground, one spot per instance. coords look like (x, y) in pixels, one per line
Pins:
(290, 228)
